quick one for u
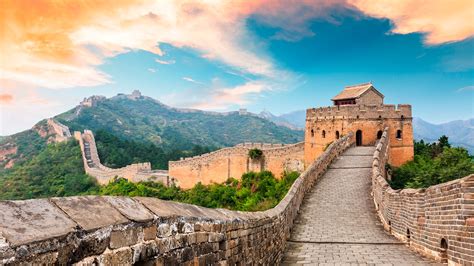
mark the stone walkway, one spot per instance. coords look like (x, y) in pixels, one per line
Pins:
(337, 223)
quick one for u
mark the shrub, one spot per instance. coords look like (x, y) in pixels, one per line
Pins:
(255, 154)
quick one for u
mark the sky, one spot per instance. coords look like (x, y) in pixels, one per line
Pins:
(221, 55)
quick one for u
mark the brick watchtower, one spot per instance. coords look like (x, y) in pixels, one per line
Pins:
(360, 109)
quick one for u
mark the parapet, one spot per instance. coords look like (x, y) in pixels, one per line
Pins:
(386, 111)
(437, 211)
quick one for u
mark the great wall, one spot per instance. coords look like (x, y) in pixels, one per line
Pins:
(364, 221)
(234, 161)
(134, 172)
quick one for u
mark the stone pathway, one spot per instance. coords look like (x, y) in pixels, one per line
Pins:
(337, 223)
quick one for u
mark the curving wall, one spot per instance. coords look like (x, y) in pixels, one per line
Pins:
(437, 221)
(119, 230)
(134, 172)
(219, 165)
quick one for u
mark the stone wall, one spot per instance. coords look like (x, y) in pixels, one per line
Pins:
(134, 172)
(323, 124)
(437, 222)
(219, 165)
(121, 231)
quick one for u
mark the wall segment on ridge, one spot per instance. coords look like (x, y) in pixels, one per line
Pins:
(219, 165)
(134, 172)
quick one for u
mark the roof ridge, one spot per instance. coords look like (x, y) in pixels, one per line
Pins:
(359, 85)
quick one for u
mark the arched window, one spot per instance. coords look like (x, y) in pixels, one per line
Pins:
(408, 234)
(399, 134)
(444, 248)
(324, 133)
(337, 134)
(379, 134)
(402, 117)
(312, 133)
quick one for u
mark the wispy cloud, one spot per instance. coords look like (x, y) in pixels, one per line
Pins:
(152, 70)
(467, 88)
(165, 62)
(192, 80)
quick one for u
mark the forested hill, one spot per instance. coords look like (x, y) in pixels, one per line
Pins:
(144, 119)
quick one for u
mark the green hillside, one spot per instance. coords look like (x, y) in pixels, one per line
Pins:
(147, 120)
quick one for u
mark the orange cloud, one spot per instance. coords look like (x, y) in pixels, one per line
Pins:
(442, 21)
(6, 98)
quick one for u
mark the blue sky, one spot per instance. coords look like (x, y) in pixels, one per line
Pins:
(266, 63)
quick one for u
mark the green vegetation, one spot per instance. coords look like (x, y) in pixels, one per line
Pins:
(147, 120)
(57, 170)
(255, 153)
(254, 192)
(115, 152)
(434, 163)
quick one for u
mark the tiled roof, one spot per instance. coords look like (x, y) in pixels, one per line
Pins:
(355, 91)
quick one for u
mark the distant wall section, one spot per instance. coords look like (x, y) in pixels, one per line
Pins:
(219, 165)
(134, 172)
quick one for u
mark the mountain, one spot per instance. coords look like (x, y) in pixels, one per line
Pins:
(459, 132)
(143, 119)
(294, 120)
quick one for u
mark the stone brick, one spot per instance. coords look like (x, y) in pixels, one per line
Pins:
(149, 232)
(124, 237)
(122, 256)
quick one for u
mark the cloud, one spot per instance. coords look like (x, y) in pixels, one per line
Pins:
(467, 88)
(6, 98)
(152, 70)
(192, 80)
(164, 62)
(442, 21)
(60, 44)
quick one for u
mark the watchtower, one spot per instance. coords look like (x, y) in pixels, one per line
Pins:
(360, 109)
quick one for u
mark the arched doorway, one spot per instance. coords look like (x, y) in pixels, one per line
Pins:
(359, 138)
(379, 134)
(337, 134)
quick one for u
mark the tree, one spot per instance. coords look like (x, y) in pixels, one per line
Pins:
(255, 154)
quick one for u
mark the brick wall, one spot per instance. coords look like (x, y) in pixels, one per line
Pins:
(437, 222)
(123, 231)
(219, 165)
(323, 124)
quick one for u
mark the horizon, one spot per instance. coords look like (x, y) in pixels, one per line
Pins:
(222, 56)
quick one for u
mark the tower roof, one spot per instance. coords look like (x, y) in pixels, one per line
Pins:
(355, 91)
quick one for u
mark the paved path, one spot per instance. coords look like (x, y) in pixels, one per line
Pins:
(337, 223)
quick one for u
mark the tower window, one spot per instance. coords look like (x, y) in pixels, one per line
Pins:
(379, 134)
(312, 133)
(399, 134)
(324, 134)
(337, 134)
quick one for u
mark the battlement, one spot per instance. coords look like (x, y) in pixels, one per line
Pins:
(219, 165)
(92, 100)
(363, 111)
(268, 149)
